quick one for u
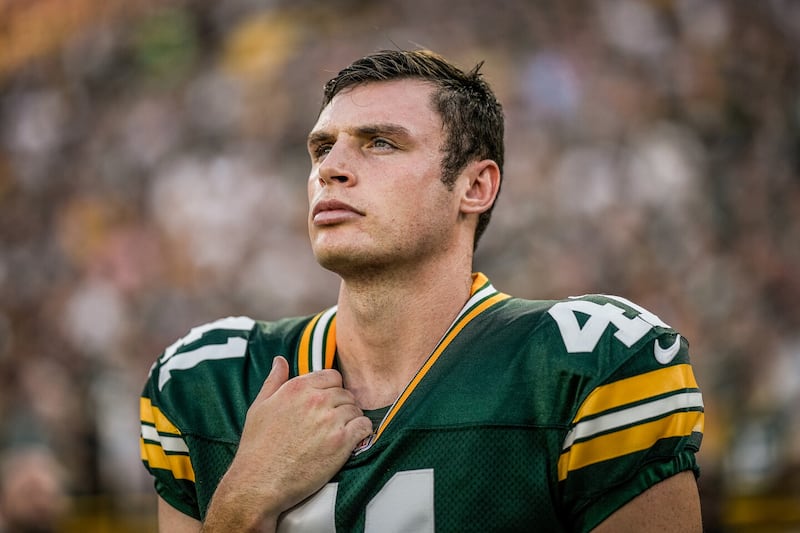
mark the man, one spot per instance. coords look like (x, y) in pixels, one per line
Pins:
(425, 400)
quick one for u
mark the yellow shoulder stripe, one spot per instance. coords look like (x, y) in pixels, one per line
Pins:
(153, 453)
(154, 456)
(330, 347)
(305, 342)
(637, 388)
(153, 416)
(633, 439)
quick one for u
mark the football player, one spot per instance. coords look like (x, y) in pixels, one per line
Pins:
(425, 399)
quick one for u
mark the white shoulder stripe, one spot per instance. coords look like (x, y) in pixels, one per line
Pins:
(168, 444)
(633, 415)
(318, 338)
(235, 347)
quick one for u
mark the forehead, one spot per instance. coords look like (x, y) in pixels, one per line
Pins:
(404, 102)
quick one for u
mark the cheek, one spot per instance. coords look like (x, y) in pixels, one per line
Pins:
(312, 190)
(311, 186)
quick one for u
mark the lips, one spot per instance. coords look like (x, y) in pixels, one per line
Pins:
(333, 211)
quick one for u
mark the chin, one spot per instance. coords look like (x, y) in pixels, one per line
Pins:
(350, 264)
(333, 259)
(340, 264)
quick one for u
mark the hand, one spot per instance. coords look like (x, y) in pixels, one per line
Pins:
(298, 433)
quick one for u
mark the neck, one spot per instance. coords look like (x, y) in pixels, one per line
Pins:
(388, 325)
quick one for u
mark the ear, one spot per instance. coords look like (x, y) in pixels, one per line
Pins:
(482, 187)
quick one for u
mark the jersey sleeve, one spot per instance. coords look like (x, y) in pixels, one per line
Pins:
(639, 419)
(172, 402)
(166, 456)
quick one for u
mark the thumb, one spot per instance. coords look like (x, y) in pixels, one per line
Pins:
(277, 377)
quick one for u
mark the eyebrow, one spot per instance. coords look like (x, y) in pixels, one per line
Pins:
(368, 130)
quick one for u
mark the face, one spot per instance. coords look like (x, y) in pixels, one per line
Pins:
(376, 199)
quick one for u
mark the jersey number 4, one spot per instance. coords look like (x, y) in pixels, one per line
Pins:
(584, 338)
(404, 503)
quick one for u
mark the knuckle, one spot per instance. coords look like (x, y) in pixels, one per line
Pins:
(316, 400)
(296, 386)
(293, 385)
(330, 375)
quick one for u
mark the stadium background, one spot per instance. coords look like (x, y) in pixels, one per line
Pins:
(152, 177)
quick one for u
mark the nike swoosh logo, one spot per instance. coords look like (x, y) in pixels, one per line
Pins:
(665, 355)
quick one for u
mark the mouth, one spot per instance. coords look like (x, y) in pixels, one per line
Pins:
(333, 212)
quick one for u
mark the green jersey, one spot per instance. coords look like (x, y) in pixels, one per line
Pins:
(528, 416)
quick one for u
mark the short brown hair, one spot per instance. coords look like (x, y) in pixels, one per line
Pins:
(470, 112)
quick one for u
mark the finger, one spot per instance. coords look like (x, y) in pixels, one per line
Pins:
(342, 397)
(358, 429)
(349, 412)
(277, 377)
(323, 379)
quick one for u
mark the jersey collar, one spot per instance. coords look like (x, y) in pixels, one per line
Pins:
(317, 348)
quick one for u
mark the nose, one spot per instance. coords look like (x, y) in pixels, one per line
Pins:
(336, 167)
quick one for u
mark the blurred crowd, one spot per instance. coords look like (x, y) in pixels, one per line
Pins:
(152, 177)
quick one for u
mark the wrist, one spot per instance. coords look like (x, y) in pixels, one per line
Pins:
(237, 522)
(232, 509)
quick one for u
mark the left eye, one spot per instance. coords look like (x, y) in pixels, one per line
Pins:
(381, 143)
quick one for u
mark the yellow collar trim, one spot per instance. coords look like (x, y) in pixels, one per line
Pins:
(317, 347)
